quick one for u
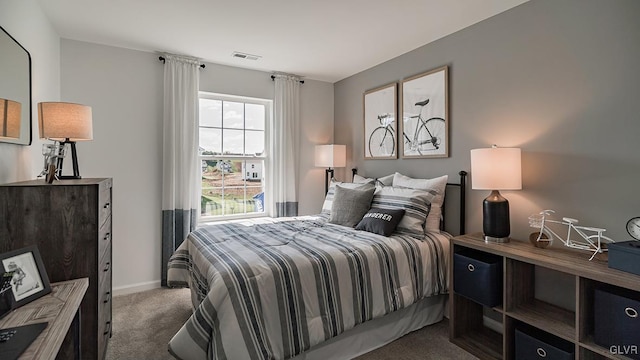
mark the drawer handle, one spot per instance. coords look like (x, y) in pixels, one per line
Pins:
(106, 268)
(471, 267)
(107, 205)
(106, 300)
(631, 312)
(107, 236)
(108, 323)
(541, 352)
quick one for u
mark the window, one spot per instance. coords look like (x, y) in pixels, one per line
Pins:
(232, 150)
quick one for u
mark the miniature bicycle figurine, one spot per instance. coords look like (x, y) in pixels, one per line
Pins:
(592, 238)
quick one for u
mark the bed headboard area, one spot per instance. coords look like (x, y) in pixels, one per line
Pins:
(454, 209)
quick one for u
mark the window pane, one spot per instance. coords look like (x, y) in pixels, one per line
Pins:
(211, 201)
(255, 142)
(210, 141)
(254, 116)
(233, 143)
(233, 115)
(210, 112)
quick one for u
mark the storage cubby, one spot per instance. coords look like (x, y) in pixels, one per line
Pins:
(571, 330)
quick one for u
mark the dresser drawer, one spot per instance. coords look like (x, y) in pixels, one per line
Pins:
(104, 237)
(104, 270)
(104, 203)
(104, 330)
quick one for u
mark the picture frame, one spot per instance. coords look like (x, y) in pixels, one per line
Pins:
(380, 124)
(425, 115)
(29, 280)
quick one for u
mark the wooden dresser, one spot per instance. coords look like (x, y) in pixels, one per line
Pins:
(70, 222)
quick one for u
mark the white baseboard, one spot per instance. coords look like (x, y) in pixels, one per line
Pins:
(134, 288)
(492, 324)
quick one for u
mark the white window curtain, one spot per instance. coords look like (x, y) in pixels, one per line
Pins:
(180, 170)
(284, 144)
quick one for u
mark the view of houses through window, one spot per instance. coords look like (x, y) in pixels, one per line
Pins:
(232, 150)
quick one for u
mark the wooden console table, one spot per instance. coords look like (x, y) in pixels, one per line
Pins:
(61, 309)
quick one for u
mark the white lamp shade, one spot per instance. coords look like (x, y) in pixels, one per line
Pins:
(496, 169)
(60, 121)
(10, 117)
(331, 156)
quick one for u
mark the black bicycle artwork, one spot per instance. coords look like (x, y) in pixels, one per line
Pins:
(428, 135)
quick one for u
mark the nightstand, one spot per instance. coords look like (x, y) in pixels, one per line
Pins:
(520, 310)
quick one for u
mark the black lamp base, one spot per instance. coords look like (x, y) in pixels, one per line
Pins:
(328, 175)
(495, 218)
(74, 159)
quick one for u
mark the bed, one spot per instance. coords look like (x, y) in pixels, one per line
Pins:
(306, 288)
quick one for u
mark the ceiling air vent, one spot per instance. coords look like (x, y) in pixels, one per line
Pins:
(245, 56)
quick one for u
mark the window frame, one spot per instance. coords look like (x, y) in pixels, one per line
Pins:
(264, 158)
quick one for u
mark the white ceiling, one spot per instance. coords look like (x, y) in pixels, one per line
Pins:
(325, 40)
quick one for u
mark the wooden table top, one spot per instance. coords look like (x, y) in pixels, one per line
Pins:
(58, 308)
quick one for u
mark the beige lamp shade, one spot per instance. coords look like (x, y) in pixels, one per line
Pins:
(61, 120)
(10, 117)
(496, 169)
(331, 156)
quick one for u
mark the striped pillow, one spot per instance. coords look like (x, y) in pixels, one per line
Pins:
(416, 204)
(435, 186)
(328, 200)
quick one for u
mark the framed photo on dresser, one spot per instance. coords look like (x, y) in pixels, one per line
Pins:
(29, 279)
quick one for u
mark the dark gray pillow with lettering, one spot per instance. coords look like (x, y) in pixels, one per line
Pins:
(381, 221)
(349, 205)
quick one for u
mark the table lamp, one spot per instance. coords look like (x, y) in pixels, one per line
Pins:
(330, 156)
(496, 169)
(10, 113)
(65, 123)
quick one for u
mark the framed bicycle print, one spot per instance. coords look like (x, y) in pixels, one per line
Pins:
(380, 125)
(425, 115)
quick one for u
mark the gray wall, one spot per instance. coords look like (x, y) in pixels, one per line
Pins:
(124, 88)
(558, 79)
(25, 21)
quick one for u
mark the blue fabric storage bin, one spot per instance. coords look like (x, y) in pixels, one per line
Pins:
(478, 276)
(616, 320)
(535, 344)
(625, 256)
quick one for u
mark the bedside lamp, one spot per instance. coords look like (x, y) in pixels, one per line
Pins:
(65, 123)
(496, 169)
(330, 156)
(10, 112)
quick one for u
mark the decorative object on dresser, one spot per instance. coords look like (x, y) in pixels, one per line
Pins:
(553, 329)
(380, 122)
(65, 123)
(593, 238)
(70, 222)
(496, 169)
(425, 114)
(330, 156)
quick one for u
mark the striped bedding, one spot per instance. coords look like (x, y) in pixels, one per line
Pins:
(273, 288)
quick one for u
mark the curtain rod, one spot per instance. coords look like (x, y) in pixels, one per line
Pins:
(162, 59)
(273, 77)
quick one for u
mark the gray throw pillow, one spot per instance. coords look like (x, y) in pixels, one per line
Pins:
(381, 221)
(350, 205)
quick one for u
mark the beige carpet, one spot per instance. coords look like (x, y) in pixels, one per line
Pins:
(143, 324)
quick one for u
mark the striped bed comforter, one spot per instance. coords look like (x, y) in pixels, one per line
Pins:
(273, 288)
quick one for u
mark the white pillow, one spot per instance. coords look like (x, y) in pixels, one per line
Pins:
(415, 203)
(384, 181)
(328, 200)
(435, 186)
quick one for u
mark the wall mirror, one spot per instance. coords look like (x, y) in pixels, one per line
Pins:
(15, 91)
